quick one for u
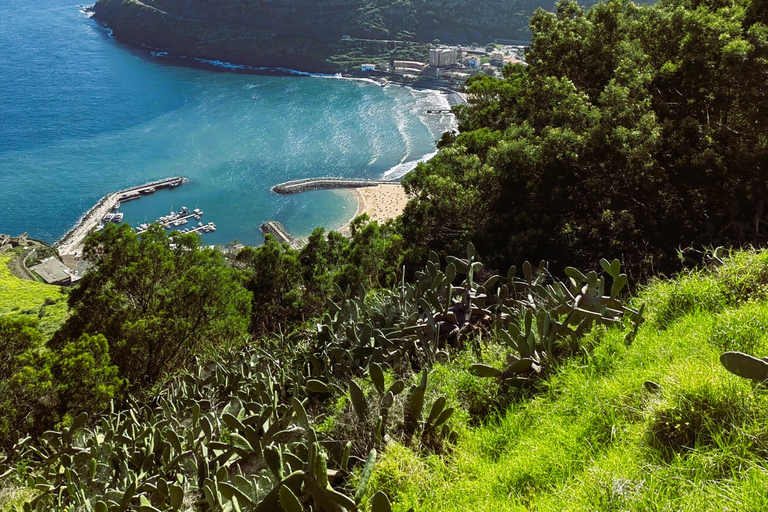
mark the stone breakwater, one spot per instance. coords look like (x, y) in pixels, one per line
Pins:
(307, 184)
(276, 229)
(73, 239)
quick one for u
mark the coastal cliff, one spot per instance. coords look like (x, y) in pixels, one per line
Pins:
(310, 36)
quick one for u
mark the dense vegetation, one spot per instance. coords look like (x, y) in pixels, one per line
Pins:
(654, 425)
(398, 368)
(308, 35)
(634, 130)
(259, 425)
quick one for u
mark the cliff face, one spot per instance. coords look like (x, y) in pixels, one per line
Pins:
(302, 34)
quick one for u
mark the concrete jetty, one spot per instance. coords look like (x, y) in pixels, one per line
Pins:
(277, 230)
(307, 184)
(70, 245)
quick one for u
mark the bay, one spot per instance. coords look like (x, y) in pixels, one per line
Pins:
(82, 115)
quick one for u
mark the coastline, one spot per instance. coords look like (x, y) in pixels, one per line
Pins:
(377, 203)
(454, 95)
(69, 246)
(380, 202)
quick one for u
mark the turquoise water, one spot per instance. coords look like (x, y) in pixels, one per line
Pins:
(82, 115)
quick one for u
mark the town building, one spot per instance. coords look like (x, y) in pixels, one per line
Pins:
(472, 62)
(497, 58)
(53, 271)
(408, 66)
(442, 57)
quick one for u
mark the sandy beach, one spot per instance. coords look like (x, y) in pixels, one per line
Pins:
(381, 202)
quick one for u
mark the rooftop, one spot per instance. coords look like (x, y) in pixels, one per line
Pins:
(52, 271)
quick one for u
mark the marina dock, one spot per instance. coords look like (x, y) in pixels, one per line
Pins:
(70, 245)
(181, 218)
(307, 184)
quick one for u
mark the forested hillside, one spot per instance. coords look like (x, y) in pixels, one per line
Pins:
(426, 363)
(634, 131)
(308, 35)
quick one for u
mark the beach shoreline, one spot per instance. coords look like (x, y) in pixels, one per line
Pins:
(380, 202)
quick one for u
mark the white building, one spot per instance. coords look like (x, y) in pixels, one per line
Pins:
(442, 57)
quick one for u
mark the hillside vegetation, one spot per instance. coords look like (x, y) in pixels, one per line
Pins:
(19, 297)
(431, 362)
(656, 424)
(634, 130)
(307, 35)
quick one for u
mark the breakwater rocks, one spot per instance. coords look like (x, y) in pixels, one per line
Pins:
(276, 229)
(73, 239)
(307, 184)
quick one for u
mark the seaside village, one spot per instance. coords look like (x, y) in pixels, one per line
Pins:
(454, 64)
(62, 264)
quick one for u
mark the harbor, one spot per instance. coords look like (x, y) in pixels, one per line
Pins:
(276, 229)
(381, 200)
(182, 218)
(70, 245)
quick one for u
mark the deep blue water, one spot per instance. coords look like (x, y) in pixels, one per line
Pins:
(82, 115)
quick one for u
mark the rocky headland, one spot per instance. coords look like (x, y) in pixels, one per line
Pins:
(317, 36)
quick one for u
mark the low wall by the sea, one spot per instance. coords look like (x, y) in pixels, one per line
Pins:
(307, 184)
(277, 230)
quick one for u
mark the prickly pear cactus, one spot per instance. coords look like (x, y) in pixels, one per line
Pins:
(745, 365)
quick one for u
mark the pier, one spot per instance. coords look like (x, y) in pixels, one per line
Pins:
(198, 228)
(172, 222)
(71, 243)
(307, 184)
(277, 230)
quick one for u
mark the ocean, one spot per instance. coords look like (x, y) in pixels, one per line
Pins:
(82, 115)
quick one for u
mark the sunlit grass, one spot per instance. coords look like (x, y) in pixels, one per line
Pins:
(595, 438)
(24, 297)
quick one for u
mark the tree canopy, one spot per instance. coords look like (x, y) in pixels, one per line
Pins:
(634, 130)
(157, 299)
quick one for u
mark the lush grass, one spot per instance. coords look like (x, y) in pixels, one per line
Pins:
(12, 497)
(595, 438)
(23, 297)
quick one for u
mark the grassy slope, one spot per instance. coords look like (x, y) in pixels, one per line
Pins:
(22, 297)
(49, 305)
(596, 439)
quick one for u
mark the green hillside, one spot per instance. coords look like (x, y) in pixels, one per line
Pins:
(327, 35)
(21, 297)
(611, 420)
(596, 436)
